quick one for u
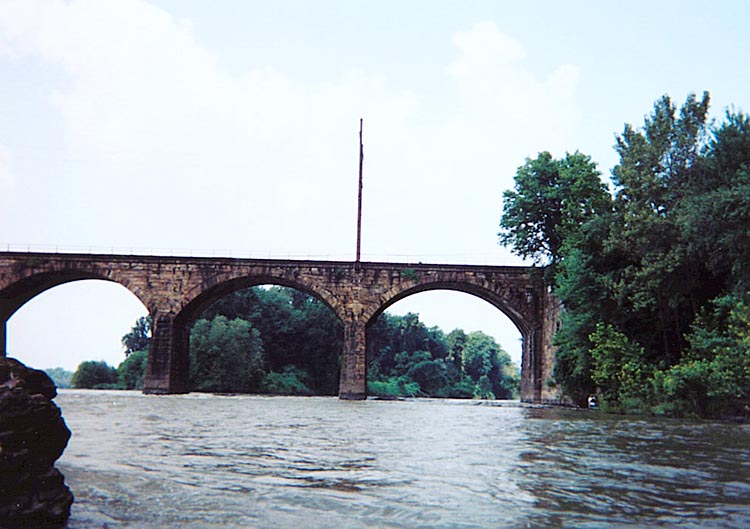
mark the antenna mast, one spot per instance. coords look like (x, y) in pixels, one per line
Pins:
(359, 203)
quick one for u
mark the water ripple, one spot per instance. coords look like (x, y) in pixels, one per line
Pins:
(206, 462)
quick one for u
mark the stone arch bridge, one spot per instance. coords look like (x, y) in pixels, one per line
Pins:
(175, 290)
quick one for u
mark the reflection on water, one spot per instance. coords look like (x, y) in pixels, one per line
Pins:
(207, 462)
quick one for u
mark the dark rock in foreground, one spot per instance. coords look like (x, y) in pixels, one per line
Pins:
(33, 436)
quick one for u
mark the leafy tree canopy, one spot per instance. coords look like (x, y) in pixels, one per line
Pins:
(92, 374)
(651, 282)
(139, 336)
(550, 201)
(131, 371)
(406, 358)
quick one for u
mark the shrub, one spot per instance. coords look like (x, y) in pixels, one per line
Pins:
(91, 374)
(393, 387)
(291, 381)
(131, 371)
(619, 370)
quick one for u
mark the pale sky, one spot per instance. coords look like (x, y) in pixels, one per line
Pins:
(231, 128)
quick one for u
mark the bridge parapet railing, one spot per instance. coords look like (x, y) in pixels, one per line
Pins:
(447, 257)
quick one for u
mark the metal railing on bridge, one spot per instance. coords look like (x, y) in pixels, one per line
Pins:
(483, 257)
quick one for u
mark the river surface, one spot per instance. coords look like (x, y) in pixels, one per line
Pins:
(221, 462)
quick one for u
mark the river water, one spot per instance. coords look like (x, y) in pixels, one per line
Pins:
(203, 461)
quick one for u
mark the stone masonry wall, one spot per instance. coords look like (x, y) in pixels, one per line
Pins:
(550, 393)
(176, 289)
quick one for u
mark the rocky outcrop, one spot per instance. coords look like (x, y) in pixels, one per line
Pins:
(33, 436)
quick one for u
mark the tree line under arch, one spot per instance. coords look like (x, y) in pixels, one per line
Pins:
(278, 340)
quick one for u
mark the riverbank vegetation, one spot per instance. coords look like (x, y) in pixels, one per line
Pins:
(283, 341)
(654, 276)
(406, 358)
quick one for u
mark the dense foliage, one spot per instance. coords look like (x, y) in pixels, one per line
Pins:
(225, 356)
(131, 370)
(94, 375)
(551, 199)
(292, 343)
(405, 358)
(654, 281)
(282, 341)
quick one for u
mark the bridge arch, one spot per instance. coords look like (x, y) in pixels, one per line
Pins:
(22, 289)
(216, 287)
(82, 319)
(516, 292)
(170, 349)
(505, 305)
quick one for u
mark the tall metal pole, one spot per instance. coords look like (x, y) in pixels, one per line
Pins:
(359, 203)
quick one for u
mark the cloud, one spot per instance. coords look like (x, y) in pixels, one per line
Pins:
(495, 87)
(484, 48)
(163, 129)
(157, 147)
(264, 160)
(495, 113)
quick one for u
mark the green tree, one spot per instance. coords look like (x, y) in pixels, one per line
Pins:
(657, 276)
(302, 340)
(390, 387)
(619, 370)
(650, 282)
(582, 283)
(484, 389)
(464, 388)
(550, 201)
(205, 358)
(139, 337)
(478, 353)
(93, 375)
(131, 371)
(456, 341)
(295, 329)
(395, 343)
(406, 359)
(225, 356)
(631, 267)
(714, 376)
(61, 377)
(715, 215)
(431, 375)
(380, 342)
(320, 340)
(483, 356)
